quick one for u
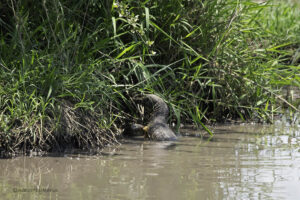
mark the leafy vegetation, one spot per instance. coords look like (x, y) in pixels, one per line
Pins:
(70, 70)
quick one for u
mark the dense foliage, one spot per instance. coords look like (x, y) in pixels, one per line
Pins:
(70, 69)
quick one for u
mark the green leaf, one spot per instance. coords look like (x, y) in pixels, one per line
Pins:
(127, 49)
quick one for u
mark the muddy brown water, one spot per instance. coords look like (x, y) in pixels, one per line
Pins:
(239, 162)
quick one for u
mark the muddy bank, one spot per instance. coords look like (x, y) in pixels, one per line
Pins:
(75, 128)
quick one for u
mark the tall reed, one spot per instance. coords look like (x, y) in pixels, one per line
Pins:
(70, 70)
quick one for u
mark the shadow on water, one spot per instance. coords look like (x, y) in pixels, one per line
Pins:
(239, 162)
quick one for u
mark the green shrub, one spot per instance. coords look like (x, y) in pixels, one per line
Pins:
(70, 70)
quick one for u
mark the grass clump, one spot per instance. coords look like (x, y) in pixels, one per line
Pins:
(70, 70)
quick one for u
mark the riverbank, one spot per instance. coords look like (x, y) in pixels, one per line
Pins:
(69, 74)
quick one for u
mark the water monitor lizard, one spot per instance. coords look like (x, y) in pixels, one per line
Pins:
(157, 128)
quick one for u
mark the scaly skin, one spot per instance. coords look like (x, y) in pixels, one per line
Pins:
(158, 128)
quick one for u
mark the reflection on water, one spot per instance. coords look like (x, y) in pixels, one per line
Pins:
(239, 162)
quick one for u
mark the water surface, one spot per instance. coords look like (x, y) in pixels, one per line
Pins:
(239, 162)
